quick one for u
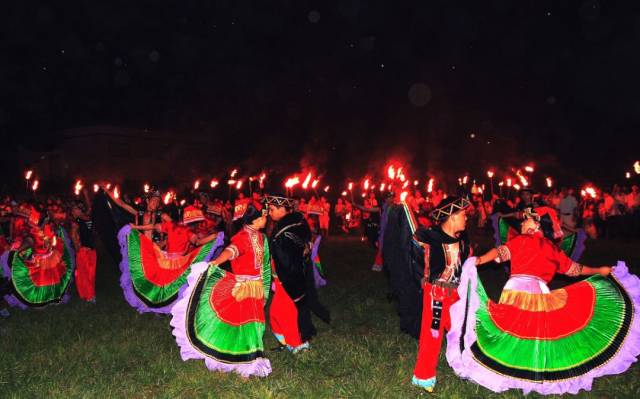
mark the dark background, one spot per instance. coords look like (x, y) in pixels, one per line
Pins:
(341, 86)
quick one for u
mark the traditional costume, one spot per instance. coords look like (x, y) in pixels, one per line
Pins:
(150, 277)
(295, 296)
(535, 339)
(85, 273)
(220, 315)
(443, 259)
(40, 273)
(403, 259)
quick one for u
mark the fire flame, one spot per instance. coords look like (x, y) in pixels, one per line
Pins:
(490, 174)
(28, 174)
(350, 186)
(366, 184)
(326, 189)
(307, 179)
(549, 182)
(292, 181)
(167, 197)
(430, 185)
(344, 193)
(35, 185)
(116, 192)
(403, 196)
(196, 184)
(146, 188)
(382, 185)
(214, 183)
(233, 173)
(239, 185)
(529, 168)
(96, 188)
(314, 184)
(77, 187)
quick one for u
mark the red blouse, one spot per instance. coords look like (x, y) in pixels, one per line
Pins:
(535, 255)
(178, 237)
(248, 252)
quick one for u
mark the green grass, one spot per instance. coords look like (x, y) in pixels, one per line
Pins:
(109, 350)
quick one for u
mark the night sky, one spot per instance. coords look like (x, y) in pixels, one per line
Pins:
(340, 85)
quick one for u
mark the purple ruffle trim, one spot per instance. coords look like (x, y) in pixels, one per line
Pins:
(578, 249)
(465, 365)
(10, 298)
(319, 280)
(66, 297)
(260, 367)
(495, 223)
(125, 274)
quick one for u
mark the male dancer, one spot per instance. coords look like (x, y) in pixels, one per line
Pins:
(446, 247)
(295, 292)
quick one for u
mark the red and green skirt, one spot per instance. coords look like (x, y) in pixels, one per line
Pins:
(552, 343)
(220, 319)
(38, 280)
(152, 279)
(572, 244)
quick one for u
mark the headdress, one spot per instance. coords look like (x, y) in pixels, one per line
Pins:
(279, 201)
(448, 207)
(192, 214)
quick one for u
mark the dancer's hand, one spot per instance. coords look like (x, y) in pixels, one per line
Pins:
(605, 271)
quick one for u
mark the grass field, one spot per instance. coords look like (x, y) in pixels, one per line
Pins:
(109, 350)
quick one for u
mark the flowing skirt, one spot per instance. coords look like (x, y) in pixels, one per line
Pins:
(550, 342)
(150, 278)
(219, 318)
(37, 280)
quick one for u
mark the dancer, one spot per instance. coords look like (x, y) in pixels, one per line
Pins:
(220, 315)
(446, 247)
(295, 296)
(40, 264)
(535, 339)
(151, 278)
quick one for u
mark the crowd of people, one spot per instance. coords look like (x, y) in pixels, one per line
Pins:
(214, 265)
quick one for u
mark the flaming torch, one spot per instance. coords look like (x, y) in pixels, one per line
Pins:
(549, 182)
(290, 183)
(490, 174)
(214, 183)
(96, 188)
(27, 175)
(116, 192)
(326, 189)
(35, 185)
(167, 197)
(430, 185)
(307, 180)
(261, 180)
(77, 187)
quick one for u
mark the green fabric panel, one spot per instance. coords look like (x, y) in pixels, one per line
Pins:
(151, 292)
(217, 334)
(559, 354)
(25, 287)
(266, 269)
(504, 230)
(568, 243)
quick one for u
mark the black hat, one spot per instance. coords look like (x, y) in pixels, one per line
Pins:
(448, 207)
(279, 201)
